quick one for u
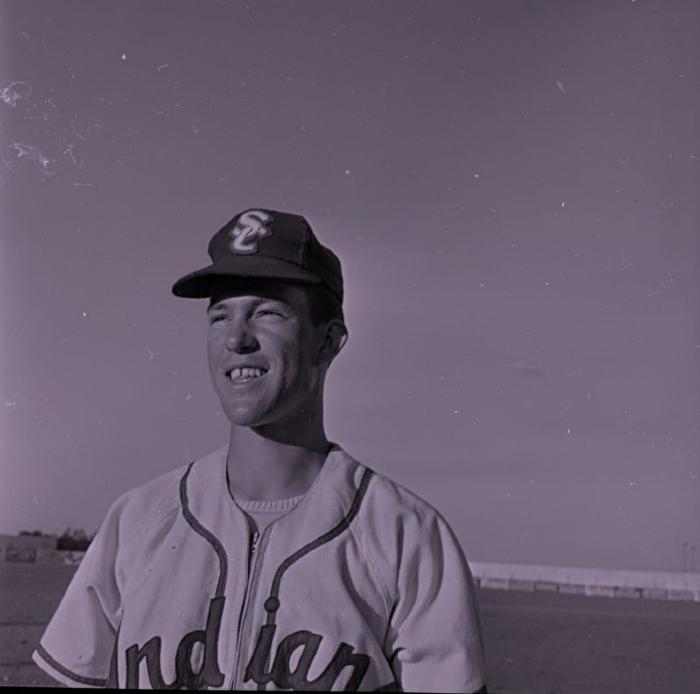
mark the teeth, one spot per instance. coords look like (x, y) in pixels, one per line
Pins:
(245, 372)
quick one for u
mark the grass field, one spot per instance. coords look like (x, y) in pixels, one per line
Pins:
(537, 643)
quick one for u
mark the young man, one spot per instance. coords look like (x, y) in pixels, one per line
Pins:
(277, 561)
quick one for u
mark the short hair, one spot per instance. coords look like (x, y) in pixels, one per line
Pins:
(324, 305)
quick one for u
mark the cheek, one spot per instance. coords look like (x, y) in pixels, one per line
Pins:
(304, 365)
(213, 354)
(210, 354)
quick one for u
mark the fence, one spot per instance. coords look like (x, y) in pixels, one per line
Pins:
(612, 583)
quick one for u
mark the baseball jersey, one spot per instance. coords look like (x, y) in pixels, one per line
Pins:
(361, 586)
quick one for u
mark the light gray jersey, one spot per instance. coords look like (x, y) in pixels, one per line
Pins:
(361, 586)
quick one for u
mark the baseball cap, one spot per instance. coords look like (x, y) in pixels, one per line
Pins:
(266, 244)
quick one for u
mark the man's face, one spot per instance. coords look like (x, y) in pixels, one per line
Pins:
(263, 352)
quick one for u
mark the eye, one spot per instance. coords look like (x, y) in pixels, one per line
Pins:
(265, 312)
(216, 317)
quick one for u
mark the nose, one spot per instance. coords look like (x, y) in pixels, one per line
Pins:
(240, 338)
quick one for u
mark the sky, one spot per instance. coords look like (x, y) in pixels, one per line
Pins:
(511, 188)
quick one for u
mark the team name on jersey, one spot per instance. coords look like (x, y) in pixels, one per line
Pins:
(258, 669)
(208, 675)
(298, 679)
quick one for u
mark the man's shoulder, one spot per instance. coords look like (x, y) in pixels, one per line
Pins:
(397, 498)
(399, 528)
(392, 500)
(162, 495)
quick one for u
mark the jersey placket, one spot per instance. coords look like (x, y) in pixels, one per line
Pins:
(256, 548)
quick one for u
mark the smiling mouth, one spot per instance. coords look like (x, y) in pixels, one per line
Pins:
(244, 374)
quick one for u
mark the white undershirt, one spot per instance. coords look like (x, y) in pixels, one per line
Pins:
(262, 513)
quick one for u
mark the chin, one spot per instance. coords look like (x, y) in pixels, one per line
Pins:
(247, 416)
(243, 419)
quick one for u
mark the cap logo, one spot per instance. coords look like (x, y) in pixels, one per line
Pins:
(250, 227)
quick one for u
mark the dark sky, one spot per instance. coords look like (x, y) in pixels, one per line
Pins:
(512, 188)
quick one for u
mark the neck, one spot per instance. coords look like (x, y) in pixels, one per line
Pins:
(263, 467)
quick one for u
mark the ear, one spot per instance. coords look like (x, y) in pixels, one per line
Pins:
(334, 339)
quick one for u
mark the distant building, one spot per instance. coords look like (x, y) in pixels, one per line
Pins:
(28, 541)
(24, 547)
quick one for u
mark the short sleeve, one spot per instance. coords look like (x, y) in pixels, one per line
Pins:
(77, 646)
(435, 642)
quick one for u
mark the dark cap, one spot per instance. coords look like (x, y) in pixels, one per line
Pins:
(265, 243)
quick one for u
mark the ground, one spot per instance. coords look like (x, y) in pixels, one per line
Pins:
(536, 643)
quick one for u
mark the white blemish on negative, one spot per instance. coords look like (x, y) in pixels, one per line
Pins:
(32, 153)
(620, 261)
(664, 207)
(14, 92)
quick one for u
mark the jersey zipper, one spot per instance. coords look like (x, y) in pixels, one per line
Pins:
(253, 561)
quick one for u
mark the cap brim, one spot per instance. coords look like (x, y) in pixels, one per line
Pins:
(197, 284)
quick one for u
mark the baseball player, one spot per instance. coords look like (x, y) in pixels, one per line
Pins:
(277, 562)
